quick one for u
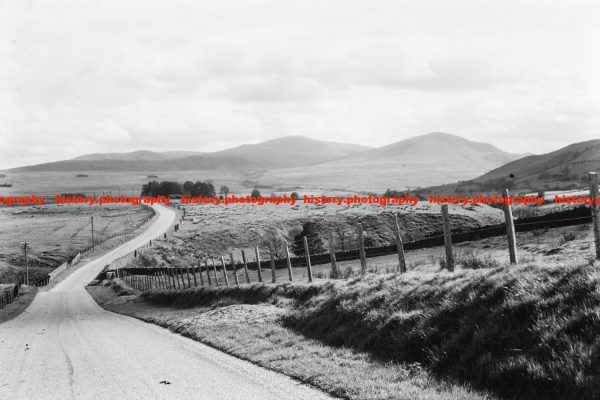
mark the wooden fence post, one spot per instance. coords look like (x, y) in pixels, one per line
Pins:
(593, 181)
(361, 246)
(334, 270)
(245, 266)
(224, 271)
(400, 245)
(207, 272)
(194, 275)
(200, 274)
(258, 269)
(187, 273)
(307, 255)
(289, 262)
(172, 283)
(234, 266)
(179, 276)
(448, 238)
(272, 254)
(510, 230)
(215, 271)
(161, 279)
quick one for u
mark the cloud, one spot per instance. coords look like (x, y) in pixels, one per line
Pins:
(79, 77)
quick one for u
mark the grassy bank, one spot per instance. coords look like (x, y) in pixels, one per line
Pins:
(21, 302)
(528, 332)
(254, 332)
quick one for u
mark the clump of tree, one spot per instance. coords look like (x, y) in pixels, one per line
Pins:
(342, 235)
(165, 188)
(273, 239)
(401, 193)
(204, 189)
(294, 195)
(255, 194)
(310, 230)
(224, 190)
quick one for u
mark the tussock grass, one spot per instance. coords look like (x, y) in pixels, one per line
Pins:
(526, 332)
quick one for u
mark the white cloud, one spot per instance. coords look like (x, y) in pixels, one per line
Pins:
(81, 76)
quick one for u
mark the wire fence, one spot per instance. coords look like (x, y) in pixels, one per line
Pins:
(225, 270)
(20, 276)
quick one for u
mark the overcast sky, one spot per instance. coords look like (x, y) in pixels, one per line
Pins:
(82, 76)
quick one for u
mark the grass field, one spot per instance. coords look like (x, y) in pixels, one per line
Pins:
(254, 332)
(58, 232)
(210, 230)
(543, 246)
(125, 183)
(524, 332)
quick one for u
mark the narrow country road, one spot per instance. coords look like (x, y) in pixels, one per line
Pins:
(64, 346)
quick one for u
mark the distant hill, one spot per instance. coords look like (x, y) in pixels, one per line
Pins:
(140, 155)
(291, 151)
(425, 160)
(561, 168)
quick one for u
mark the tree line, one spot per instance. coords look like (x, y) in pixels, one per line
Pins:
(169, 188)
(189, 188)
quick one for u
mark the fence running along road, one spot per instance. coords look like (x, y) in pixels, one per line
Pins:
(150, 278)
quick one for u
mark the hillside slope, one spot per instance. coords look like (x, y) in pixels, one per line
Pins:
(291, 151)
(424, 160)
(140, 155)
(565, 165)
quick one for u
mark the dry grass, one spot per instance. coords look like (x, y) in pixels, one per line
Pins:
(21, 302)
(254, 332)
(219, 230)
(56, 233)
(525, 332)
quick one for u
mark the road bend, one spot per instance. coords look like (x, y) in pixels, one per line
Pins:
(65, 346)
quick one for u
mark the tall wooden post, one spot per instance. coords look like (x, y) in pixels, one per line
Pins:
(272, 254)
(179, 276)
(400, 245)
(361, 247)
(258, 269)
(187, 273)
(224, 271)
(593, 181)
(93, 243)
(215, 271)
(307, 255)
(25, 247)
(334, 270)
(200, 274)
(207, 272)
(510, 230)
(194, 275)
(448, 238)
(289, 262)
(237, 281)
(161, 275)
(245, 266)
